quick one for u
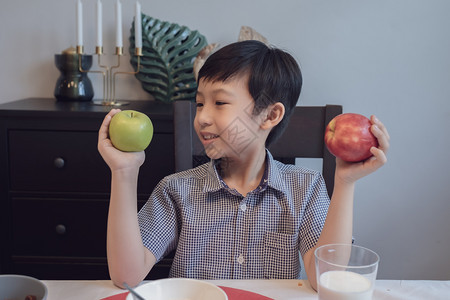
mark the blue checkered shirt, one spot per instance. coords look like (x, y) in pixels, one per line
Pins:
(220, 234)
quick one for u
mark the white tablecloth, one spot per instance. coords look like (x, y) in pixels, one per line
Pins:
(276, 289)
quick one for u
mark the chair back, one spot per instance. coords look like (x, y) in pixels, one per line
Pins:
(304, 138)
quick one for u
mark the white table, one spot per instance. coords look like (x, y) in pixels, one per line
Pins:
(276, 289)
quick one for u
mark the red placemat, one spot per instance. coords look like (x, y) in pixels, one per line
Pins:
(237, 294)
(121, 296)
(232, 293)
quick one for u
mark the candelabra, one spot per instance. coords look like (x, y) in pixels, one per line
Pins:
(108, 74)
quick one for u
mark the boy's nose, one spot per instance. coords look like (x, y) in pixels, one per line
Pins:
(203, 117)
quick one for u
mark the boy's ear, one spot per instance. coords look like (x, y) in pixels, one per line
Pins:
(274, 115)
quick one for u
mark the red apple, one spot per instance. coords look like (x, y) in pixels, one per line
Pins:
(348, 137)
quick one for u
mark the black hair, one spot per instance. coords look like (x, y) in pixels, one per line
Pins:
(273, 76)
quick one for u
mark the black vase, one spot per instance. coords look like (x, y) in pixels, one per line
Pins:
(72, 84)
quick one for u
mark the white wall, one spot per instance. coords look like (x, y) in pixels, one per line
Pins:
(389, 58)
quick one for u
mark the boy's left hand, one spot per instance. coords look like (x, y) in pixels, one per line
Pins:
(351, 172)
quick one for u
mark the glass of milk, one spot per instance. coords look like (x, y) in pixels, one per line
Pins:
(345, 271)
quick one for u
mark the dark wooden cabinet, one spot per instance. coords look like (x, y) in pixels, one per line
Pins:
(54, 186)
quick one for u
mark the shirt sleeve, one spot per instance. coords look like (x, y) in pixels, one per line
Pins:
(315, 213)
(158, 221)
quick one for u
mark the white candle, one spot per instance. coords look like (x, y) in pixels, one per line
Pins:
(138, 26)
(119, 24)
(99, 24)
(79, 12)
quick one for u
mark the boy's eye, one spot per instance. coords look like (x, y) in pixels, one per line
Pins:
(220, 103)
(198, 104)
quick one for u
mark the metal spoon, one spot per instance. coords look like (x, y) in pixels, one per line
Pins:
(133, 292)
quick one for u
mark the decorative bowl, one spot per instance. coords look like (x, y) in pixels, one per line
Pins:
(179, 288)
(19, 287)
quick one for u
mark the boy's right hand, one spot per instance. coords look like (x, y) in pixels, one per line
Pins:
(114, 158)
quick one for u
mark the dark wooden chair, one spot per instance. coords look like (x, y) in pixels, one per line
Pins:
(303, 138)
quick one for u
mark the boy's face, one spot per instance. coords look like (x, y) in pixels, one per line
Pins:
(224, 121)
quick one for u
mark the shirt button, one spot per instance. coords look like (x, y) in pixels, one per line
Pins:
(240, 259)
(244, 207)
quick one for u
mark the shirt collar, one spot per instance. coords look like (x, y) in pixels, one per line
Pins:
(271, 177)
(213, 180)
(275, 180)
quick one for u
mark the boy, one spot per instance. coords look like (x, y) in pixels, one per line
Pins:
(242, 215)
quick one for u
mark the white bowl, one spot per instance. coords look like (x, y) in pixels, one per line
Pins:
(180, 289)
(19, 287)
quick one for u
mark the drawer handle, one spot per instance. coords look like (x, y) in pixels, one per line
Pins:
(60, 229)
(59, 162)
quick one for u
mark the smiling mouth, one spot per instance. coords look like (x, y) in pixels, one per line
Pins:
(209, 136)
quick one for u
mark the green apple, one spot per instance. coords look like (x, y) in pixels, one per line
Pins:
(130, 131)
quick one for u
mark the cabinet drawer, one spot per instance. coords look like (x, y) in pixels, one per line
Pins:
(68, 268)
(65, 239)
(68, 161)
(56, 161)
(76, 269)
(59, 227)
(61, 269)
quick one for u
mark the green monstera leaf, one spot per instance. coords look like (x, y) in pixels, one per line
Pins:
(169, 51)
